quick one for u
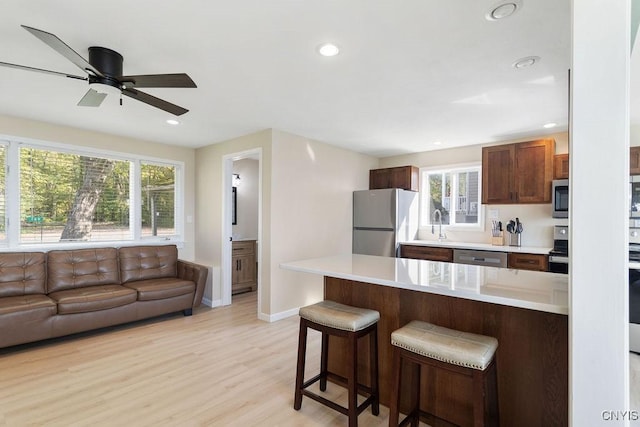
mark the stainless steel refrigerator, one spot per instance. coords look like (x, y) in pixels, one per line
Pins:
(382, 219)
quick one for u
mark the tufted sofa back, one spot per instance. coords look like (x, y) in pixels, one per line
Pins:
(68, 269)
(148, 262)
(22, 273)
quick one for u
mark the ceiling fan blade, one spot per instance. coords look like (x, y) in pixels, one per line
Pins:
(158, 80)
(41, 70)
(61, 47)
(154, 102)
(92, 98)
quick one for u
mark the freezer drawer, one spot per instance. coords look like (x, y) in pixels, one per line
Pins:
(374, 242)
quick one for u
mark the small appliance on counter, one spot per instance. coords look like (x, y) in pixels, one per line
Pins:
(514, 228)
(382, 219)
(559, 255)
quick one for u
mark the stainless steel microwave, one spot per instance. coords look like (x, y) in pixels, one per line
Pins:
(560, 198)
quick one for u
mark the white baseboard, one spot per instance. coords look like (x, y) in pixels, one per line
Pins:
(214, 303)
(278, 316)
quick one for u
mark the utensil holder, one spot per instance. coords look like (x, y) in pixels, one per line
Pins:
(497, 240)
(514, 239)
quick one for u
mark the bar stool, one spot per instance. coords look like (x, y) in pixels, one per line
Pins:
(471, 355)
(352, 323)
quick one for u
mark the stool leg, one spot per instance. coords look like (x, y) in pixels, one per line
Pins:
(415, 394)
(373, 362)
(352, 381)
(394, 401)
(323, 361)
(302, 351)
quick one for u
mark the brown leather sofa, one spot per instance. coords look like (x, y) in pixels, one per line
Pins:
(61, 292)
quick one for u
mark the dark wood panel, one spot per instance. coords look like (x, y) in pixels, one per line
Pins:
(634, 161)
(534, 171)
(426, 252)
(561, 166)
(536, 262)
(497, 174)
(404, 177)
(532, 356)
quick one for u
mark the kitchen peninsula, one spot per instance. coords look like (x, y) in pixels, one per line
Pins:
(525, 310)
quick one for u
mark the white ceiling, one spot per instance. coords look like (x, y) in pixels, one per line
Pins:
(410, 72)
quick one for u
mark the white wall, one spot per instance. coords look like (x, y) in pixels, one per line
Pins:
(12, 126)
(599, 147)
(247, 199)
(209, 209)
(537, 220)
(312, 186)
(306, 210)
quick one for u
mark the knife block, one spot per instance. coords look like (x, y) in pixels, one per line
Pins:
(514, 239)
(497, 240)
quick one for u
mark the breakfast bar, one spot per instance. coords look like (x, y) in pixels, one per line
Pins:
(525, 311)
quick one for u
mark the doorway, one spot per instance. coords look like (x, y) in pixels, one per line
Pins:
(242, 225)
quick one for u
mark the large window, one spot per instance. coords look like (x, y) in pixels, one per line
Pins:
(64, 195)
(451, 195)
(158, 199)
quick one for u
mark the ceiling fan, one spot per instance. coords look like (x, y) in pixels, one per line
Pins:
(104, 70)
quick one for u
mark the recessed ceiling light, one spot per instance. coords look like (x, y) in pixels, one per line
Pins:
(502, 10)
(549, 125)
(328, 49)
(437, 143)
(526, 62)
(173, 122)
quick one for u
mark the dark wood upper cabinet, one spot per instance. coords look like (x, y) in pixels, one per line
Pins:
(561, 166)
(518, 173)
(405, 177)
(634, 161)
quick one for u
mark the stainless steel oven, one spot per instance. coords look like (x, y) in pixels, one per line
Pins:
(634, 195)
(560, 198)
(559, 255)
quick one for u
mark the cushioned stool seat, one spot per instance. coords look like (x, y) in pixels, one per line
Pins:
(469, 354)
(351, 323)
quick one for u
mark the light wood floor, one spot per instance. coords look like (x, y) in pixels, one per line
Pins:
(219, 367)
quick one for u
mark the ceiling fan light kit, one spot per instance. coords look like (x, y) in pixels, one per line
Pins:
(105, 75)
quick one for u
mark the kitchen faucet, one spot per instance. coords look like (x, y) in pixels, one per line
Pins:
(441, 235)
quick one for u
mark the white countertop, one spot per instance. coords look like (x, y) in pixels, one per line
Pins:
(517, 288)
(479, 246)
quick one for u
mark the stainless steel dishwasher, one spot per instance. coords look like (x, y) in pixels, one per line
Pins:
(485, 258)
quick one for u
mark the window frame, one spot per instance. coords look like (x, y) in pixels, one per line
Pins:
(12, 195)
(424, 194)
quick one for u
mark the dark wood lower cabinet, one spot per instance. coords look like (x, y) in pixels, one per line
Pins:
(532, 355)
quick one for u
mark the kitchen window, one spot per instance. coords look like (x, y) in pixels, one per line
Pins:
(57, 194)
(455, 193)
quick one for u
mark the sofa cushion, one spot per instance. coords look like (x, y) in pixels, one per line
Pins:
(165, 287)
(39, 305)
(147, 262)
(93, 298)
(22, 273)
(69, 269)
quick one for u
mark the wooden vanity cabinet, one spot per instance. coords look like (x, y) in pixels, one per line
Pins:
(428, 253)
(243, 266)
(518, 173)
(404, 177)
(523, 261)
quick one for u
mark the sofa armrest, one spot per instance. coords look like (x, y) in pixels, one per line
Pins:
(196, 273)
